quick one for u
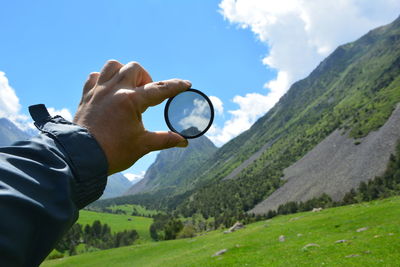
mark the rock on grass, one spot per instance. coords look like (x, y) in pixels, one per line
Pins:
(218, 253)
(352, 256)
(310, 246)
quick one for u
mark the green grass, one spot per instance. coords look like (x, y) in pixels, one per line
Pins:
(258, 245)
(118, 222)
(128, 208)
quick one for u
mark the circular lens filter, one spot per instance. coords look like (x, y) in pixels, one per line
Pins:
(189, 113)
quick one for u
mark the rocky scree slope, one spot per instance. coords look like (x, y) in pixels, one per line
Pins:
(335, 165)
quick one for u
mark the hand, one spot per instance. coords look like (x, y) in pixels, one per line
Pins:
(111, 109)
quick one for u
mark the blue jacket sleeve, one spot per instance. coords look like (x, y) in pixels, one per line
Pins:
(43, 184)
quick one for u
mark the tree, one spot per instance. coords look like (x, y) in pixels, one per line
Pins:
(187, 231)
(96, 229)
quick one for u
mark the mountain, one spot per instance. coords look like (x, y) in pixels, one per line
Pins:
(317, 138)
(354, 91)
(173, 166)
(117, 184)
(10, 133)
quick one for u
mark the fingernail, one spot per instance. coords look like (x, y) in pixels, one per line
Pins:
(183, 143)
(188, 82)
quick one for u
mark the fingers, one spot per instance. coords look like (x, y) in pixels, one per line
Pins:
(157, 92)
(90, 82)
(109, 70)
(162, 140)
(132, 75)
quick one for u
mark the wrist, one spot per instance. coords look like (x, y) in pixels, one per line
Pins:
(82, 153)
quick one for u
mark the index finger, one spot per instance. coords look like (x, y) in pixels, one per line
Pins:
(157, 92)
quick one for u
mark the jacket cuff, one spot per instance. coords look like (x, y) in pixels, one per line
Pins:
(84, 154)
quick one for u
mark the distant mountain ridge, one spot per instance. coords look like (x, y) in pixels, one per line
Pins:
(10, 133)
(117, 184)
(173, 166)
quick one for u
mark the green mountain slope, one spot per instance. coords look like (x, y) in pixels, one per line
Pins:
(172, 167)
(258, 244)
(169, 175)
(354, 89)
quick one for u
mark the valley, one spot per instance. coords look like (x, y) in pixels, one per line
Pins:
(344, 103)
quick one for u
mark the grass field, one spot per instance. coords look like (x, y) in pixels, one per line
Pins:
(118, 222)
(128, 208)
(258, 244)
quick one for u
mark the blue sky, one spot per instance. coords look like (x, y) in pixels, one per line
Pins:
(245, 53)
(49, 47)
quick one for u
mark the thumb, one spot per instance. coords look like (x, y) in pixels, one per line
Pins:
(162, 140)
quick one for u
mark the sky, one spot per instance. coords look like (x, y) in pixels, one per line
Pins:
(244, 54)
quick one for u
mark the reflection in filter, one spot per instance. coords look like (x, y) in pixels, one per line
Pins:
(198, 118)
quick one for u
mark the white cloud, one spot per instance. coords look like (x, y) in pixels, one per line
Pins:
(251, 107)
(9, 102)
(198, 117)
(134, 178)
(10, 107)
(64, 112)
(299, 34)
(218, 105)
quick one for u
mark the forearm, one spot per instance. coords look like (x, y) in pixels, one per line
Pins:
(45, 181)
(43, 184)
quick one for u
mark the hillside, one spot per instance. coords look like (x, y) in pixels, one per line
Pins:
(258, 244)
(354, 90)
(172, 167)
(337, 162)
(117, 185)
